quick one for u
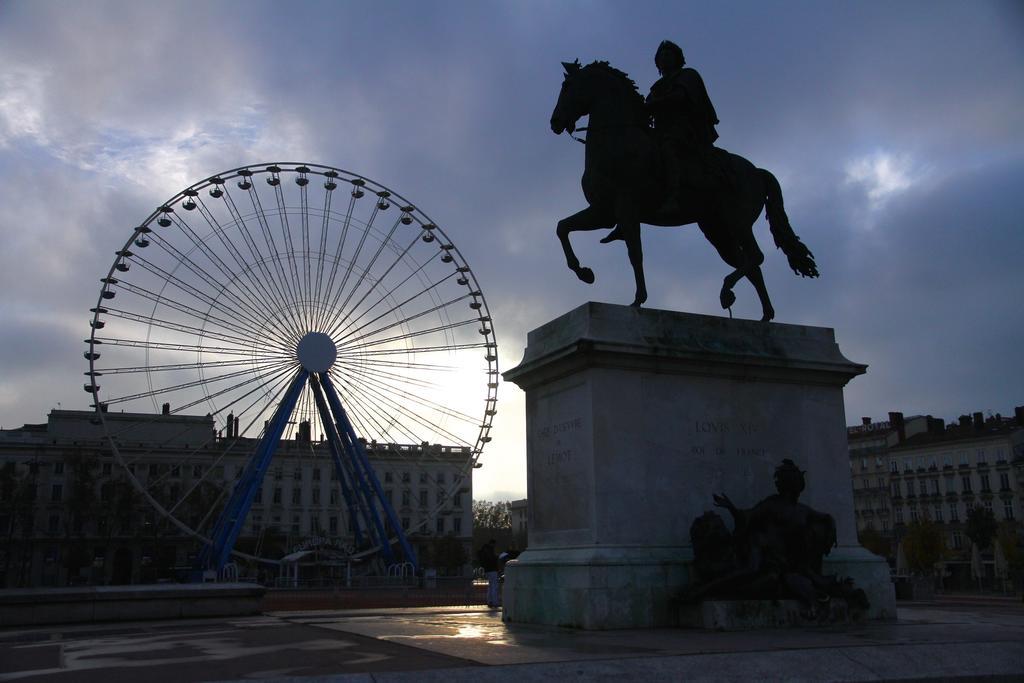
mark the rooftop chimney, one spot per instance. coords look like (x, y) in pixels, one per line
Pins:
(979, 421)
(165, 409)
(866, 421)
(896, 421)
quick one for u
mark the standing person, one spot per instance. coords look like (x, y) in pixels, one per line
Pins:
(489, 563)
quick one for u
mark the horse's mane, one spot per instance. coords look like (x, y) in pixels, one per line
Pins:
(623, 77)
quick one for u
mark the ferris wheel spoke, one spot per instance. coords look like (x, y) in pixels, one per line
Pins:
(221, 392)
(407, 336)
(338, 251)
(365, 270)
(325, 220)
(172, 346)
(177, 327)
(232, 284)
(281, 280)
(443, 348)
(338, 319)
(188, 310)
(304, 214)
(404, 378)
(255, 290)
(400, 322)
(189, 289)
(355, 257)
(187, 366)
(408, 365)
(392, 387)
(282, 215)
(277, 295)
(185, 385)
(401, 409)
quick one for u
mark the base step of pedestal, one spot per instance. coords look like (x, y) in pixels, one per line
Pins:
(745, 615)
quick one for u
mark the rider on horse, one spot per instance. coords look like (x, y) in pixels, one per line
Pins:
(684, 121)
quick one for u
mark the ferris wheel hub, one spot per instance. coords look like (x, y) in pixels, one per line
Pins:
(316, 352)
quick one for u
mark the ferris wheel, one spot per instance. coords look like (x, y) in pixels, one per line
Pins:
(281, 303)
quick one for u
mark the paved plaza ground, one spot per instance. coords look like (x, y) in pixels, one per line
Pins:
(952, 638)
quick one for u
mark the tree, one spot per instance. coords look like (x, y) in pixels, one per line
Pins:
(981, 526)
(492, 520)
(923, 545)
(875, 542)
(448, 554)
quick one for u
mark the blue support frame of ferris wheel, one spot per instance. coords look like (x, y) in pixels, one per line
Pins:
(345, 477)
(357, 453)
(232, 518)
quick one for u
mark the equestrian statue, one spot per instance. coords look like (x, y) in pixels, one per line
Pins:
(654, 161)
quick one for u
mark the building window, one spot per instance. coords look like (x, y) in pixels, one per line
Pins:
(937, 513)
(316, 474)
(958, 540)
(935, 486)
(963, 459)
(899, 514)
(258, 499)
(988, 505)
(950, 484)
(277, 496)
(864, 483)
(966, 483)
(278, 473)
(54, 524)
(440, 496)
(931, 463)
(296, 496)
(1000, 455)
(405, 522)
(922, 487)
(297, 474)
(920, 462)
(457, 499)
(423, 498)
(1004, 481)
(947, 460)
(107, 469)
(58, 468)
(332, 525)
(334, 496)
(1008, 509)
(954, 512)
(896, 493)
(878, 462)
(885, 524)
(423, 477)
(405, 498)
(981, 456)
(388, 478)
(908, 464)
(197, 471)
(57, 493)
(387, 497)
(440, 477)
(405, 477)
(296, 521)
(894, 467)
(316, 496)
(257, 524)
(985, 487)
(913, 513)
(440, 526)
(457, 524)
(863, 463)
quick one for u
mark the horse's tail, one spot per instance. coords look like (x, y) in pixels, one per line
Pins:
(801, 260)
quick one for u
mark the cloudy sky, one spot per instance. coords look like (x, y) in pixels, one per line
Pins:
(896, 130)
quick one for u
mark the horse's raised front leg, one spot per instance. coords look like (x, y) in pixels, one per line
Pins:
(587, 219)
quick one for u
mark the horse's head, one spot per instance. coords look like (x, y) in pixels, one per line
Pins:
(572, 104)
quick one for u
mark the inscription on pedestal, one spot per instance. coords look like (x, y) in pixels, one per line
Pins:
(719, 437)
(559, 450)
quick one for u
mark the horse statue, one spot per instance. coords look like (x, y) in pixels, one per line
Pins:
(623, 183)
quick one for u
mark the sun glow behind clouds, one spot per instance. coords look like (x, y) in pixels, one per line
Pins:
(883, 175)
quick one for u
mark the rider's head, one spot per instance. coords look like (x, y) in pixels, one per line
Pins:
(669, 57)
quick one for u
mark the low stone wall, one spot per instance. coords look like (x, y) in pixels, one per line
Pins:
(37, 606)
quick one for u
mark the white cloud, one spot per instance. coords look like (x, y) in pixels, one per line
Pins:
(884, 175)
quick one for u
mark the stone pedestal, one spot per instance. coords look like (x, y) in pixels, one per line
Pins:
(634, 418)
